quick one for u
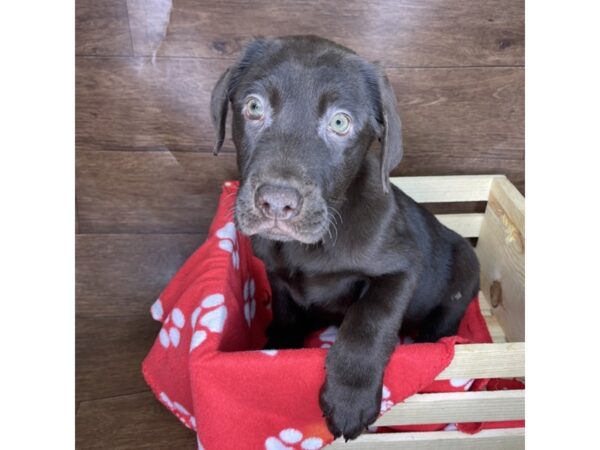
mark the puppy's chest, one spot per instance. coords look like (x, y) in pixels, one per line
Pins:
(332, 292)
(311, 277)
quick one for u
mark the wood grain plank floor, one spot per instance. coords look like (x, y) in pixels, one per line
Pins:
(118, 279)
(109, 352)
(122, 274)
(150, 192)
(398, 34)
(136, 104)
(130, 422)
(102, 28)
(164, 192)
(470, 112)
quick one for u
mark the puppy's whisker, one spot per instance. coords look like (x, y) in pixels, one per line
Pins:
(330, 224)
(334, 210)
(329, 228)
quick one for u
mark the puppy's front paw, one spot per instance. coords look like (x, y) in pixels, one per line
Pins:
(348, 411)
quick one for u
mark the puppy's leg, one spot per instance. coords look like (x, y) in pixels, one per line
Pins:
(464, 286)
(288, 327)
(351, 396)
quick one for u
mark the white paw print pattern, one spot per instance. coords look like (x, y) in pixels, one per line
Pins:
(157, 310)
(249, 301)
(292, 439)
(386, 403)
(179, 410)
(328, 336)
(170, 334)
(465, 383)
(211, 313)
(228, 242)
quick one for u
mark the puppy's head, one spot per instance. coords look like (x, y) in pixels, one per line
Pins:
(305, 111)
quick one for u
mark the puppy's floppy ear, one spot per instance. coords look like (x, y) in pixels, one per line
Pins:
(391, 131)
(221, 94)
(219, 102)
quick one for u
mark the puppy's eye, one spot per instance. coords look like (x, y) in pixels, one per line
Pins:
(339, 124)
(254, 109)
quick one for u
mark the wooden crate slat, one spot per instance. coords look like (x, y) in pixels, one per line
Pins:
(467, 225)
(453, 407)
(495, 329)
(486, 361)
(503, 438)
(452, 188)
(510, 199)
(484, 304)
(501, 253)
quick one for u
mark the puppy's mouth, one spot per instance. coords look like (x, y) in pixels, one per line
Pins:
(276, 230)
(285, 232)
(308, 227)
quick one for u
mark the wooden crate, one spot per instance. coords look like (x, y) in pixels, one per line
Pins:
(501, 251)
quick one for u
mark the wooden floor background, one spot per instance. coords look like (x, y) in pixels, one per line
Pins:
(147, 184)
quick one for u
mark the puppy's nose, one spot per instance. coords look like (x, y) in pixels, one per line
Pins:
(278, 202)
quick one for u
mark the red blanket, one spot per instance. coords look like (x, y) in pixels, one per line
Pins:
(206, 365)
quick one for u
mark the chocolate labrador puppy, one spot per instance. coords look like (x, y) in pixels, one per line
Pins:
(341, 246)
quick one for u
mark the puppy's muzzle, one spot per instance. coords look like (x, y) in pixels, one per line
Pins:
(278, 203)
